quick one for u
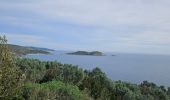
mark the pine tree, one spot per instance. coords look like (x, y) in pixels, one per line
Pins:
(10, 75)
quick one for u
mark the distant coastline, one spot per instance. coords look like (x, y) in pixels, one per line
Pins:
(23, 50)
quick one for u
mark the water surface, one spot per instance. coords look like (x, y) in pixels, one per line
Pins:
(133, 68)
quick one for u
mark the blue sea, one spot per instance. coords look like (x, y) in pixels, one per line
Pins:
(133, 68)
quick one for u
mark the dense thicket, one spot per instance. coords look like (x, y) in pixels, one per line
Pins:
(44, 71)
(54, 90)
(89, 84)
(10, 75)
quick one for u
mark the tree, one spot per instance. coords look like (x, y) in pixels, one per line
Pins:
(53, 90)
(168, 91)
(10, 76)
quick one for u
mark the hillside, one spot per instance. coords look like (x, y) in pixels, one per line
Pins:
(22, 50)
(39, 48)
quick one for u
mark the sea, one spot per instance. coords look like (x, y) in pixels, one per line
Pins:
(133, 68)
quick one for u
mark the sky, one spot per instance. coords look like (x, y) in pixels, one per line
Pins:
(130, 26)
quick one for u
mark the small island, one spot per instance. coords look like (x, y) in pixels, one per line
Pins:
(93, 53)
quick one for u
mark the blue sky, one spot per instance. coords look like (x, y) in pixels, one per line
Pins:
(133, 26)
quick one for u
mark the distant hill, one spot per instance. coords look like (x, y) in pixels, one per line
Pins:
(39, 48)
(22, 50)
(93, 53)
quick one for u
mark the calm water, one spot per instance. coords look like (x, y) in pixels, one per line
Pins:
(127, 67)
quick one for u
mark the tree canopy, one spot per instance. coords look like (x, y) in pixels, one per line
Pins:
(10, 75)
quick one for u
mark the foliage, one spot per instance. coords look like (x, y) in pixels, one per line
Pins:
(33, 69)
(10, 75)
(43, 71)
(54, 90)
(93, 84)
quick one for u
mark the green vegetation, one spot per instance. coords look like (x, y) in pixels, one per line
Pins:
(90, 84)
(51, 80)
(54, 90)
(93, 53)
(21, 50)
(10, 74)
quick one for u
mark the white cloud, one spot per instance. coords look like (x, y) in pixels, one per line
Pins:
(111, 17)
(99, 12)
(24, 38)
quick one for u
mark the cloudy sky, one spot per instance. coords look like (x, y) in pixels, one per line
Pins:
(134, 26)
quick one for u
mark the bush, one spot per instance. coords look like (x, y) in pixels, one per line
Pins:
(52, 90)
